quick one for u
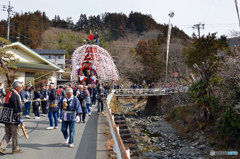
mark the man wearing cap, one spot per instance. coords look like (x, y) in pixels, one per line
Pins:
(53, 107)
(44, 96)
(71, 110)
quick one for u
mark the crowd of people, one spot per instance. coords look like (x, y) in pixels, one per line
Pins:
(66, 104)
(149, 86)
(135, 86)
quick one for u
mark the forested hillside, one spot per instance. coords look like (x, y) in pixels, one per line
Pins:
(29, 27)
(138, 42)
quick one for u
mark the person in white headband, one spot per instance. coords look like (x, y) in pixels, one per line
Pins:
(71, 111)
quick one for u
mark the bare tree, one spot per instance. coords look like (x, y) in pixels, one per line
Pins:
(130, 67)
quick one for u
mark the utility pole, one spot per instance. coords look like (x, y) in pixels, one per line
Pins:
(9, 10)
(171, 14)
(236, 4)
(198, 27)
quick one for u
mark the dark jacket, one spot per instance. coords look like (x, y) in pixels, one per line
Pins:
(2, 93)
(101, 93)
(52, 96)
(43, 93)
(96, 36)
(53, 100)
(15, 112)
(82, 97)
(95, 92)
(90, 91)
(108, 87)
(75, 91)
(14, 103)
(36, 95)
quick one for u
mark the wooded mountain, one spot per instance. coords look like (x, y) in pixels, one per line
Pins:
(137, 40)
(26, 28)
(29, 27)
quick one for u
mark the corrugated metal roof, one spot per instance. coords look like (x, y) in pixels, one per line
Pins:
(24, 47)
(30, 65)
(50, 52)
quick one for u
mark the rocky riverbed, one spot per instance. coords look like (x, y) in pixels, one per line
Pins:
(158, 139)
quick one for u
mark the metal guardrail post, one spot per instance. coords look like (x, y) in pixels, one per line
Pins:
(112, 117)
(128, 151)
(118, 147)
(117, 129)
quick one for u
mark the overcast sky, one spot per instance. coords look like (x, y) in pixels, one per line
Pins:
(217, 15)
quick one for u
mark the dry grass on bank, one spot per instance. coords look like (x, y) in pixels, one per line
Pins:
(114, 105)
(187, 122)
(184, 120)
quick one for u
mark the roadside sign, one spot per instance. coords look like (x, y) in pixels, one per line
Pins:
(175, 74)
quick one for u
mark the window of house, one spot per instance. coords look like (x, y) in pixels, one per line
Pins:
(46, 57)
(59, 75)
(50, 56)
(61, 66)
(60, 57)
(29, 76)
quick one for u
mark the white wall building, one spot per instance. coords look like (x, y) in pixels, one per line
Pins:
(55, 56)
(29, 63)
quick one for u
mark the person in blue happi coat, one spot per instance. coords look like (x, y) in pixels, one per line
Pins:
(71, 111)
(53, 107)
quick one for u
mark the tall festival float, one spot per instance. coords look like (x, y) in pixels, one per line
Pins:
(91, 62)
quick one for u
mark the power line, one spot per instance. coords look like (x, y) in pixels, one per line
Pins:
(208, 11)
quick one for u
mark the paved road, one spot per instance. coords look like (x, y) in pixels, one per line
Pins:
(89, 140)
